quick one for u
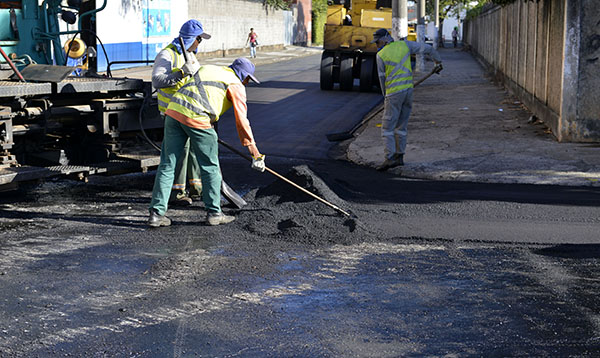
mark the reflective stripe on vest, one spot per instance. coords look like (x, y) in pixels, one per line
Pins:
(164, 95)
(203, 98)
(398, 70)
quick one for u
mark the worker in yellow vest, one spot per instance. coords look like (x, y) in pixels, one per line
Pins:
(168, 75)
(395, 77)
(191, 115)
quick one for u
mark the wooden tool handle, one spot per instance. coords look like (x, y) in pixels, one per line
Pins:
(247, 157)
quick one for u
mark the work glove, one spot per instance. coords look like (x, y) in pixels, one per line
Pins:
(258, 163)
(190, 68)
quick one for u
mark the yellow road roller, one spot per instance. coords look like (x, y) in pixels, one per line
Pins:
(347, 49)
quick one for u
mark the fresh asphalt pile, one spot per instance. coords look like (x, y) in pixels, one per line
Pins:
(283, 212)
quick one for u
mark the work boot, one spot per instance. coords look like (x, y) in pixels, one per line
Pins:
(195, 192)
(179, 199)
(157, 220)
(182, 201)
(394, 161)
(219, 218)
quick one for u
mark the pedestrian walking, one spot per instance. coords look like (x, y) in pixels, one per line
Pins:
(395, 77)
(252, 38)
(168, 74)
(455, 36)
(191, 115)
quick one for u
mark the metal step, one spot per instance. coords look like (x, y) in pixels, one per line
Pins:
(123, 164)
(24, 173)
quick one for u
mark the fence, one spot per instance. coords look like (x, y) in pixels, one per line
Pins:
(535, 48)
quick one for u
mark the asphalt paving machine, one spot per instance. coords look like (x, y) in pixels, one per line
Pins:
(58, 117)
(347, 49)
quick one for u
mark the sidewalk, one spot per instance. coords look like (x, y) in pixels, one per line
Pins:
(262, 58)
(464, 127)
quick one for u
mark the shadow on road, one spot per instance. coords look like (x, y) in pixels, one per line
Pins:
(571, 251)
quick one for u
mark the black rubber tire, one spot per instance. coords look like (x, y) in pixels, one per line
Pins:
(375, 77)
(366, 74)
(327, 71)
(346, 75)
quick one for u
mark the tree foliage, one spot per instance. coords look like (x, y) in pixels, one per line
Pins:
(507, 2)
(447, 7)
(319, 17)
(277, 4)
(450, 7)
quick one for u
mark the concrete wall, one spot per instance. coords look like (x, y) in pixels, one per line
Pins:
(547, 53)
(138, 30)
(588, 94)
(229, 23)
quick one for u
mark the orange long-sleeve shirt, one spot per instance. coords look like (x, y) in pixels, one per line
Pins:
(236, 93)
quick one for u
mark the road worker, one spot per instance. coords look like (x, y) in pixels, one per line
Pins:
(168, 74)
(395, 77)
(191, 114)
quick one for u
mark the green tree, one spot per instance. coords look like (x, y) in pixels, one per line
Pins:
(506, 2)
(319, 17)
(448, 8)
(277, 4)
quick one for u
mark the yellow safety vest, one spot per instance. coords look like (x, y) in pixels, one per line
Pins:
(203, 97)
(164, 95)
(398, 70)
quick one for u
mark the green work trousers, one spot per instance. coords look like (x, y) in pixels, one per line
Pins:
(203, 142)
(187, 170)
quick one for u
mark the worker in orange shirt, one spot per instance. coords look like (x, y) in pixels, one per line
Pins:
(192, 113)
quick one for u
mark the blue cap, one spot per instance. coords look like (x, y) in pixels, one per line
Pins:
(188, 33)
(244, 68)
(382, 34)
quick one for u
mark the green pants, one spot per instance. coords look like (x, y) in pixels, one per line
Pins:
(203, 142)
(187, 170)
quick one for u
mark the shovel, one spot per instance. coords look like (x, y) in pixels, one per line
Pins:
(247, 157)
(337, 137)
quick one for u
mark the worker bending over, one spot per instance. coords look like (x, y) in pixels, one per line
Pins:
(395, 77)
(168, 75)
(191, 114)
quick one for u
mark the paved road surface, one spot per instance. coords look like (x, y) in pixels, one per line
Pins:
(429, 269)
(289, 113)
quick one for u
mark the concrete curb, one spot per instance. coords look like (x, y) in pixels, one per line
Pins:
(464, 127)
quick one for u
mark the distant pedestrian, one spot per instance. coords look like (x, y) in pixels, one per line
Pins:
(253, 40)
(395, 76)
(455, 36)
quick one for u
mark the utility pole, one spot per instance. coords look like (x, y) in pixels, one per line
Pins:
(399, 19)
(420, 65)
(436, 6)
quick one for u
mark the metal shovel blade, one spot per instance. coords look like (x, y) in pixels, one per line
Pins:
(231, 195)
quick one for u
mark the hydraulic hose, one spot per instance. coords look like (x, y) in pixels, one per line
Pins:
(147, 95)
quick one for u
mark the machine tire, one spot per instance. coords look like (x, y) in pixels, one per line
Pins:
(346, 75)
(366, 74)
(327, 71)
(375, 77)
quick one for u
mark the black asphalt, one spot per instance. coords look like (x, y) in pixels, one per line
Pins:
(428, 268)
